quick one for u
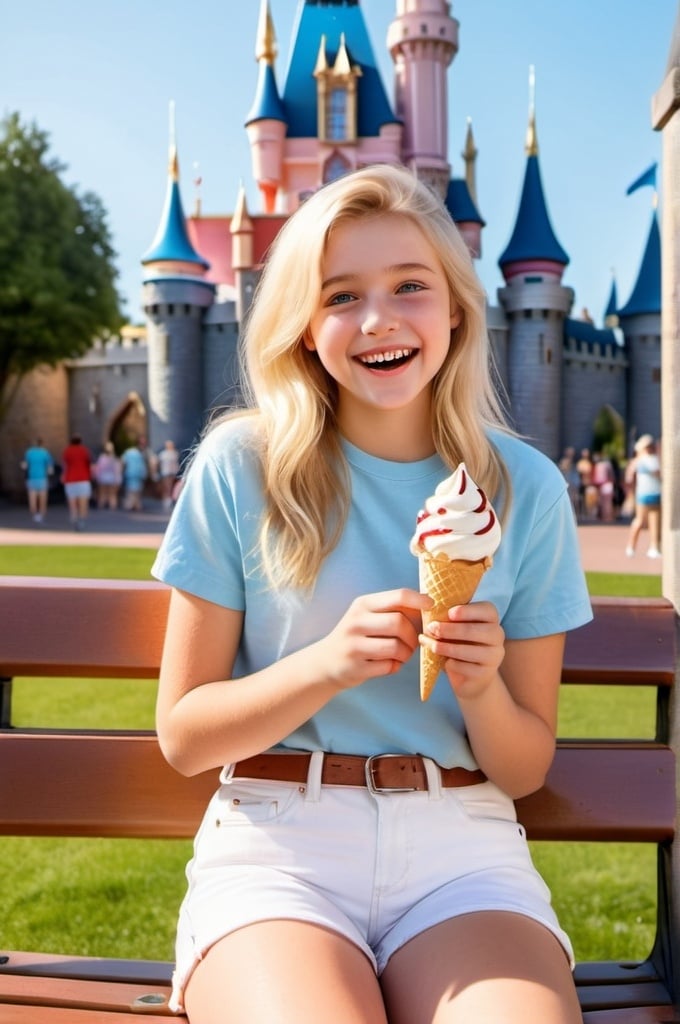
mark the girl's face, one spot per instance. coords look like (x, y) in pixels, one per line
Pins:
(382, 328)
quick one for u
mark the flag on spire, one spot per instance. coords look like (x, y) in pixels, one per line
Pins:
(647, 178)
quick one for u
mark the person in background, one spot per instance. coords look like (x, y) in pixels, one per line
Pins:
(109, 475)
(135, 473)
(76, 476)
(570, 473)
(643, 474)
(168, 468)
(603, 479)
(361, 861)
(38, 467)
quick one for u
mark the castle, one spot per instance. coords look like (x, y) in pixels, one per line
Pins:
(331, 115)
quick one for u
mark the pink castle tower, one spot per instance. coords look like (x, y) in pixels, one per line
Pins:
(423, 40)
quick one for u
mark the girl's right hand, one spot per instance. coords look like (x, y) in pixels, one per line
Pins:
(377, 634)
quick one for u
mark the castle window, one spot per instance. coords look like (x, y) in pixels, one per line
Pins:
(187, 309)
(171, 309)
(656, 374)
(336, 94)
(335, 167)
(548, 356)
(336, 115)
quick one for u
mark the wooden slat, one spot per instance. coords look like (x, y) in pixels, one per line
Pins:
(19, 1013)
(100, 996)
(606, 997)
(72, 627)
(627, 642)
(605, 792)
(96, 784)
(638, 1015)
(101, 784)
(151, 973)
(115, 628)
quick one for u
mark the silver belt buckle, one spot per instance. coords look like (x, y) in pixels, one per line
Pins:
(370, 781)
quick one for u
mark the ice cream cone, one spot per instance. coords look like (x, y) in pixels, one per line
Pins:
(448, 582)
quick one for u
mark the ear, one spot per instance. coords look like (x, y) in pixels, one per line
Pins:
(308, 342)
(456, 315)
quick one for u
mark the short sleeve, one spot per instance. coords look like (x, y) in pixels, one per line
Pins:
(550, 593)
(202, 550)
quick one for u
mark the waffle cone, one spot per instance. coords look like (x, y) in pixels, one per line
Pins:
(448, 582)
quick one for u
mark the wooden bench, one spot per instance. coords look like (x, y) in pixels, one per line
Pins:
(114, 783)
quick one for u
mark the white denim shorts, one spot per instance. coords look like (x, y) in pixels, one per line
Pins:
(273, 850)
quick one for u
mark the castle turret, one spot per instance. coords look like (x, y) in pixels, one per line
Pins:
(242, 255)
(266, 122)
(423, 40)
(536, 304)
(640, 321)
(175, 295)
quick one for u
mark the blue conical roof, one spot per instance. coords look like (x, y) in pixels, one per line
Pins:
(267, 103)
(646, 294)
(333, 19)
(613, 302)
(533, 237)
(460, 203)
(172, 240)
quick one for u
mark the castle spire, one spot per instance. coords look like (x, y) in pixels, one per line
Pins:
(265, 44)
(531, 145)
(171, 243)
(533, 243)
(646, 294)
(469, 155)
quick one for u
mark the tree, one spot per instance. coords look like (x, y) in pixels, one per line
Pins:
(57, 273)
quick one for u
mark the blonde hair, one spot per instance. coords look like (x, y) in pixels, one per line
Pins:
(306, 483)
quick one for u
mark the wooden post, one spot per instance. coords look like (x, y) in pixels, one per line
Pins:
(666, 118)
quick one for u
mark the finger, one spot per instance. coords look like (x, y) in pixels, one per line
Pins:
(477, 611)
(402, 599)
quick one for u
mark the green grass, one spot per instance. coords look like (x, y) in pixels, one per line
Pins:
(120, 897)
(76, 561)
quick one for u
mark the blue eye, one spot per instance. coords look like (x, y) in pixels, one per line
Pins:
(410, 286)
(340, 299)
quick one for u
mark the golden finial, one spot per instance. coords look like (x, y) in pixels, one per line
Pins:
(469, 155)
(321, 59)
(198, 181)
(531, 145)
(265, 46)
(173, 168)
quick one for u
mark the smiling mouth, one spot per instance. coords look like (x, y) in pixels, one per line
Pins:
(387, 360)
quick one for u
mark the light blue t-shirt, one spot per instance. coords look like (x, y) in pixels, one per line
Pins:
(210, 550)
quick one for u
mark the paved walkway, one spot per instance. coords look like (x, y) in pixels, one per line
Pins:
(602, 545)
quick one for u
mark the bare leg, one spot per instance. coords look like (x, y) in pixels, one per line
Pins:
(491, 967)
(284, 972)
(636, 526)
(654, 520)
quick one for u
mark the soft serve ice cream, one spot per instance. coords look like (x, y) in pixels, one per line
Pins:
(456, 536)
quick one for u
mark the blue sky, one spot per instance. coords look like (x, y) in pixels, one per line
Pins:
(99, 76)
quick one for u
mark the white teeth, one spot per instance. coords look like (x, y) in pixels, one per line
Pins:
(386, 357)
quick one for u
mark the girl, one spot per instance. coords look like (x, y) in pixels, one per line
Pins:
(323, 887)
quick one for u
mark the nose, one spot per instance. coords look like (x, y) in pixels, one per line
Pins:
(378, 319)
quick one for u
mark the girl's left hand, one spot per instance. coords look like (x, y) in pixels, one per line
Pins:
(473, 643)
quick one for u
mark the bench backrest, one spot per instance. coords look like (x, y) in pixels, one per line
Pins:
(114, 783)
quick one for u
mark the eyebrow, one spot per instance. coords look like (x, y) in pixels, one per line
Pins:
(395, 268)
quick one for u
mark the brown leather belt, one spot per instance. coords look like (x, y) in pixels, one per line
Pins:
(380, 773)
